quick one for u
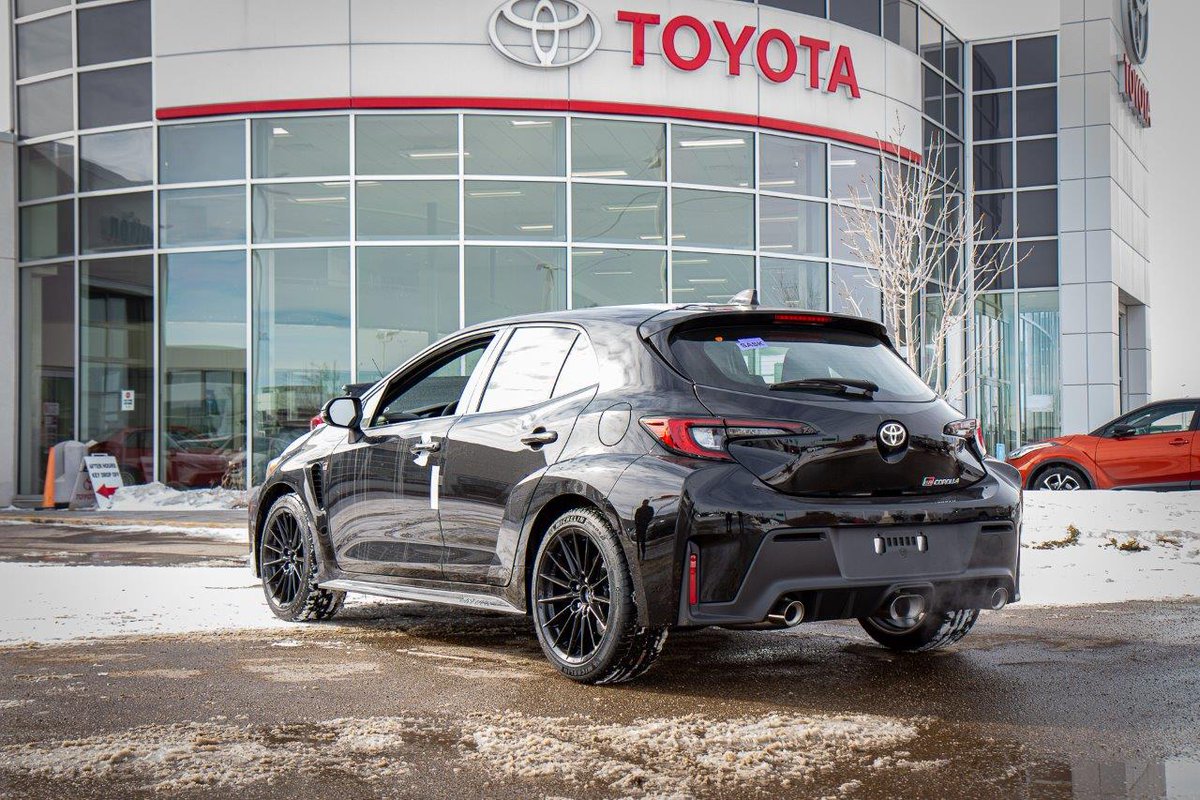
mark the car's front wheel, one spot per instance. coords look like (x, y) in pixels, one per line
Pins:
(287, 561)
(1060, 478)
(928, 631)
(582, 597)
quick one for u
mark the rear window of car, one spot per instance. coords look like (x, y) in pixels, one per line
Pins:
(751, 358)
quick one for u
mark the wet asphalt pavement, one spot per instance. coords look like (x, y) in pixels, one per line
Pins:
(412, 701)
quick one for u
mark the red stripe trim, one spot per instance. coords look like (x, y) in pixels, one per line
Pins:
(535, 104)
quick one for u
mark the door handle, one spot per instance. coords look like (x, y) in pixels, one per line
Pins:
(425, 447)
(1178, 442)
(539, 437)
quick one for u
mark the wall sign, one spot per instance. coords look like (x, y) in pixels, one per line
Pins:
(1137, 29)
(1134, 91)
(544, 22)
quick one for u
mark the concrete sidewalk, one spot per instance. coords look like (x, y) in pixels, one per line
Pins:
(95, 518)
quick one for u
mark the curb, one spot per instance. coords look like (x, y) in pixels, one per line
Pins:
(110, 522)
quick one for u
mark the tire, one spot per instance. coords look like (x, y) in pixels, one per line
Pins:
(288, 564)
(1060, 478)
(588, 627)
(936, 630)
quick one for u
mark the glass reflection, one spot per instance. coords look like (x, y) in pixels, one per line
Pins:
(620, 214)
(406, 145)
(793, 284)
(504, 281)
(47, 410)
(618, 149)
(712, 156)
(617, 277)
(709, 277)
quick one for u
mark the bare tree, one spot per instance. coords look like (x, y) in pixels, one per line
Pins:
(917, 246)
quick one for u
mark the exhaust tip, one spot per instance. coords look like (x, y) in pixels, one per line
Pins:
(787, 614)
(999, 599)
(906, 608)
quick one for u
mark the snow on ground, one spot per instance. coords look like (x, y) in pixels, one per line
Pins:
(54, 602)
(157, 497)
(1092, 570)
(232, 533)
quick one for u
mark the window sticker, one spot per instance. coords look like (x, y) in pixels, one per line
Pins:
(753, 343)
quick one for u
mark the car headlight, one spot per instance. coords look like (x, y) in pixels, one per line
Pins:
(273, 465)
(1029, 448)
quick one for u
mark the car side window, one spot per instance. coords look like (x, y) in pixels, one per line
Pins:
(1173, 418)
(528, 369)
(580, 370)
(434, 390)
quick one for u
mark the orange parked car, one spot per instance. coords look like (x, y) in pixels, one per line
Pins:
(1156, 446)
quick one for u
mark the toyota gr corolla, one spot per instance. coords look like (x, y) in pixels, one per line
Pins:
(617, 473)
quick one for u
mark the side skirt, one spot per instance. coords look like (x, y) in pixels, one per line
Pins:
(424, 595)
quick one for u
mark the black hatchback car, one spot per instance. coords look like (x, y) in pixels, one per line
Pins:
(617, 473)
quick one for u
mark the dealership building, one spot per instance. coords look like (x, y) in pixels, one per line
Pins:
(218, 212)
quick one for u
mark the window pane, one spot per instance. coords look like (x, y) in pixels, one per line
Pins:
(514, 145)
(407, 209)
(208, 151)
(1037, 112)
(1037, 213)
(853, 294)
(504, 281)
(114, 33)
(527, 369)
(853, 174)
(992, 66)
(1040, 379)
(900, 23)
(792, 166)
(713, 219)
(931, 39)
(406, 145)
(622, 214)
(954, 110)
(861, 14)
(993, 116)
(794, 227)
(46, 107)
(712, 156)
(954, 54)
(1039, 264)
(933, 91)
(286, 147)
(116, 353)
(47, 231)
(618, 149)
(793, 284)
(44, 46)
(1037, 162)
(47, 170)
(1037, 60)
(302, 212)
(815, 8)
(210, 216)
(47, 410)
(301, 335)
(994, 266)
(848, 243)
(203, 369)
(994, 213)
(421, 280)
(993, 166)
(709, 277)
(116, 222)
(580, 370)
(996, 334)
(617, 277)
(27, 7)
(952, 166)
(114, 96)
(516, 210)
(116, 160)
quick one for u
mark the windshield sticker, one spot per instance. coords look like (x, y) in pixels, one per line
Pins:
(754, 343)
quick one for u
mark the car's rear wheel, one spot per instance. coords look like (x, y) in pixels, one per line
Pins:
(1060, 478)
(929, 630)
(582, 597)
(287, 561)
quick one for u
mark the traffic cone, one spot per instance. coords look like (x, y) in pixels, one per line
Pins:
(48, 488)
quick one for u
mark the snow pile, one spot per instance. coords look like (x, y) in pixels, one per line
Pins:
(1092, 568)
(157, 497)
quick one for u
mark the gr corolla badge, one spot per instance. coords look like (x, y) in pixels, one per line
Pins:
(617, 473)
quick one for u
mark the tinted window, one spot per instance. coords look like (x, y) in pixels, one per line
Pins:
(1037, 112)
(1172, 418)
(44, 46)
(114, 96)
(861, 14)
(993, 66)
(580, 370)
(528, 368)
(208, 151)
(1037, 61)
(434, 391)
(815, 8)
(115, 160)
(114, 33)
(900, 23)
(752, 357)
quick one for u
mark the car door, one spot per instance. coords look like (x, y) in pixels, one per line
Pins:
(495, 454)
(1150, 447)
(382, 487)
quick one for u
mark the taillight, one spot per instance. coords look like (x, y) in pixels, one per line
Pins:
(693, 579)
(966, 429)
(810, 319)
(706, 437)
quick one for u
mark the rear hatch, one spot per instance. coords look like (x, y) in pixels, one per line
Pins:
(821, 405)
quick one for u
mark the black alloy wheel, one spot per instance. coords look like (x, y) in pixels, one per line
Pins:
(287, 562)
(574, 606)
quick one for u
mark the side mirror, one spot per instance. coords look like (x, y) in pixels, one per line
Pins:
(343, 412)
(1123, 431)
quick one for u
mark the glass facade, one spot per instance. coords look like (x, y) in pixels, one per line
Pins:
(236, 272)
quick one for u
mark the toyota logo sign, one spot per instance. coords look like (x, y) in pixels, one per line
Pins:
(893, 435)
(1137, 29)
(531, 32)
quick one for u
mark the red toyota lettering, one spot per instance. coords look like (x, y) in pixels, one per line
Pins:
(703, 39)
(640, 22)
(815, 48)
(843, 72)
(734, 47)
(789, 49)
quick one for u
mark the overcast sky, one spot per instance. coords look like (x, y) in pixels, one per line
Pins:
(1174, 192)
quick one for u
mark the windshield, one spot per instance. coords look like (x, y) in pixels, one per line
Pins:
(778, 360)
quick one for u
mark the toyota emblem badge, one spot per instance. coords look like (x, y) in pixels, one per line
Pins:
(531, 32)
(893, 435)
